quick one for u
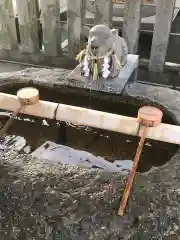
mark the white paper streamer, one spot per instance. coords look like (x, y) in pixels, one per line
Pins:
(106, 60)
(105, 67)
(106, 73)
(86, 67)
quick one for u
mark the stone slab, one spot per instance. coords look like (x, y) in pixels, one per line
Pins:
(60, 154)
(127, 75)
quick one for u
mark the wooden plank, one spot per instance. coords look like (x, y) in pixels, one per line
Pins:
(8, 39)
(27, 17)
(74, 14)
(131, 24)
(103, 12)
(50, 18)
(162, 28)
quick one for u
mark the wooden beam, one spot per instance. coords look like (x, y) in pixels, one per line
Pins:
(131, 24)
(74, 14)
(92, 118)
(50, 18)
(8, 39)
(103, 12)
(143, 62)
(27, 18)
(162, 28)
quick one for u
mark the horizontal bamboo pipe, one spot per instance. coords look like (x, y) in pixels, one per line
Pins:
(82, 116)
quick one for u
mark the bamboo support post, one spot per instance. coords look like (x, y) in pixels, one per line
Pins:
(97, 119)
(148, 117)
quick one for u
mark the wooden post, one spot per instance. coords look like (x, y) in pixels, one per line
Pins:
(75, 11)
(8, 39)
(50, 18)
(83, 17)
(83, 13)
(103, 12)
(162, 28)
(27, 18)
(131, 24)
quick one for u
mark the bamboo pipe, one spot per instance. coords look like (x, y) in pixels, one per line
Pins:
(82, 116)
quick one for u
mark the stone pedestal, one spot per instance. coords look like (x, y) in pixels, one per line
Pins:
(127, 75)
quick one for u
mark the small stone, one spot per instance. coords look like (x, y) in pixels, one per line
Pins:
(151, 207)
(151, 216)
(27, 149)
(148, 144)
(175, 227)
(172, 233)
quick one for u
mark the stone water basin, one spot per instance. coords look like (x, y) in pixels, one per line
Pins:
(106, 150)
(67, 202)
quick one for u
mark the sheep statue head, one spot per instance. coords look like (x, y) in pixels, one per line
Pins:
(104, 55)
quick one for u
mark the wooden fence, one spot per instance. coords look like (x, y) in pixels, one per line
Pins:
(44, 15)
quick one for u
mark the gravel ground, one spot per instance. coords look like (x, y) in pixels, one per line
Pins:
(42, 201)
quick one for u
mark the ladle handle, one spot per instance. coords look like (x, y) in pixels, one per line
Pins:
(132, 173)
(5, 128)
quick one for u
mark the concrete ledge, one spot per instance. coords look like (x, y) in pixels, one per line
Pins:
(39, 58)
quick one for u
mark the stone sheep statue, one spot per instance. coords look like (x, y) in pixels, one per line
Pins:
(105, 54)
